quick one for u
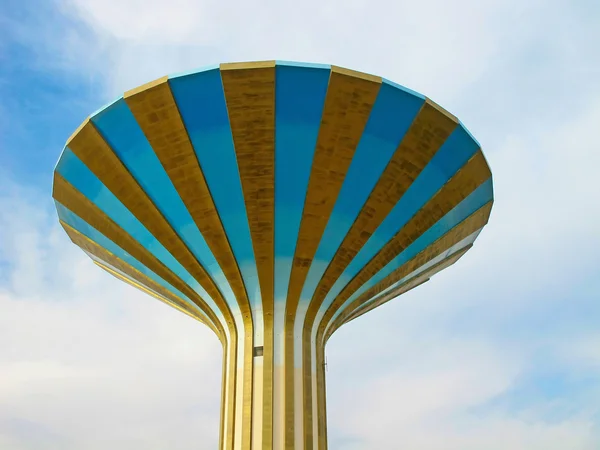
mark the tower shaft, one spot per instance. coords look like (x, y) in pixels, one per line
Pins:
(273, 391)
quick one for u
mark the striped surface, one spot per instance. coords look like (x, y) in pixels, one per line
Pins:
(273, 202)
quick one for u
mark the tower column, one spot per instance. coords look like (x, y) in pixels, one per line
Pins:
(269, 426)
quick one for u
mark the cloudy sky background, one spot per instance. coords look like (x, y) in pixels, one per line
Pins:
(502, 351)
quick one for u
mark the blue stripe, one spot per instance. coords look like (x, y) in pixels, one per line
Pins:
(201, 102)
(84, 180)
(300, 98)
(391, 117)
(76, 222)
(475, 201)
(122, 132)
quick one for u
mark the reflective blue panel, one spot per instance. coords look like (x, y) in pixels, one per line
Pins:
(454, 154)
(84, 180)
(300, 97)
(121, 131)
(91, 233)
(391, 116)
(202, 106)
(476, 200)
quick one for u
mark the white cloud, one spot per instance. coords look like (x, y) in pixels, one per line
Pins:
(87, 359)
(86, 362)
(434, 46)
(425, 401)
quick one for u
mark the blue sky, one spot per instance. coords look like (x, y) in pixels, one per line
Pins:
(500, 351)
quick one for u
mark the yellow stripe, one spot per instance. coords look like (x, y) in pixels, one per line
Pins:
(321, 397)
(252, 120)
(228, 395)
(228, 387)
(232, 393)
(222, 436)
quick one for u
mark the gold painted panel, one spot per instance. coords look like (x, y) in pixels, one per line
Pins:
(321, 397)
(250, 96)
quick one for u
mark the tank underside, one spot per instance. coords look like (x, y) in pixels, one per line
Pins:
(273, 202)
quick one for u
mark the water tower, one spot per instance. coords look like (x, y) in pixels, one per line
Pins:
(273, 202)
